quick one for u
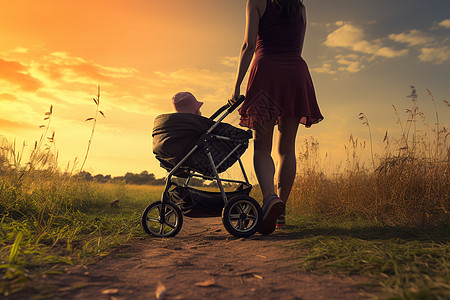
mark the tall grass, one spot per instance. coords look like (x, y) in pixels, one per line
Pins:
(409, 184)
(50, 218)
(388, 221)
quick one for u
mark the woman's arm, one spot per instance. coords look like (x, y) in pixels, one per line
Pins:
(248, 47)
(303, 12)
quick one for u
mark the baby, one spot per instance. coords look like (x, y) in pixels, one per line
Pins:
(185, 102)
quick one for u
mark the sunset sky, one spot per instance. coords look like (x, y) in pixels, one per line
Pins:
(363, 56)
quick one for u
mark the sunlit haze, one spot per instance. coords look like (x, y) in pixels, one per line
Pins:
(363, 56)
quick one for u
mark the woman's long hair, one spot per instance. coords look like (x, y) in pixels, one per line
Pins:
(289, 8)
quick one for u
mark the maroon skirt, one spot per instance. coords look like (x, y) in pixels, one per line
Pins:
(279, 86)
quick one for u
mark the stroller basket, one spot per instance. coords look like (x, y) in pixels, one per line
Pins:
(196, 203)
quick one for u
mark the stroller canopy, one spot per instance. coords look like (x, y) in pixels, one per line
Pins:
(174, 135)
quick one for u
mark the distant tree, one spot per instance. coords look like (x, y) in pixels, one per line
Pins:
(147, 178)
(98, 178)
(118, 179)
(86, 176)
(143, 178)
(196, 182)
(102, 179)
(160, 181)
(129, 177)
(132, 178)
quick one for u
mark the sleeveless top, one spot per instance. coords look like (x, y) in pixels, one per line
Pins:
(278, 34)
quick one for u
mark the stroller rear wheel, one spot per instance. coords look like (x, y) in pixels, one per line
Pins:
(161, 222)
(241, 216)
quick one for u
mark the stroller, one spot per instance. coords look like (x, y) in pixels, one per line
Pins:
(191, 146)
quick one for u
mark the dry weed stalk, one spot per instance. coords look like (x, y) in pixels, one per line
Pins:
(410, 183)
(94, 119)
(44, 158)
(365, 121)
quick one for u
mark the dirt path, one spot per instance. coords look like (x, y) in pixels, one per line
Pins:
(202, 262)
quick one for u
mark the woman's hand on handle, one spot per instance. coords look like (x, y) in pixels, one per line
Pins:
(235, 94)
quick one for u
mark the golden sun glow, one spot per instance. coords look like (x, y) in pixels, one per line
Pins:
(142, 52)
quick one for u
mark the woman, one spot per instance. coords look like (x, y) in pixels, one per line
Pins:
(279, 91)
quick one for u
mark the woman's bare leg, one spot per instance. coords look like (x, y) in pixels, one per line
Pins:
(287, 131)
(262, 158)
(273, 206)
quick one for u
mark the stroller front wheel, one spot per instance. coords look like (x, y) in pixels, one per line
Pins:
(242, 216)
(161, 222)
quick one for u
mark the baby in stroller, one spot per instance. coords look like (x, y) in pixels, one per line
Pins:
(185, 102)
(188, 146)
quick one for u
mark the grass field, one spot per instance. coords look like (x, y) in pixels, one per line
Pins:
(404, 263)
(64, 223)
(408, 263)
(389, 220)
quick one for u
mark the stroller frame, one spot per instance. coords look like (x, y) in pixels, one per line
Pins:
(204, 139)
(241, 214)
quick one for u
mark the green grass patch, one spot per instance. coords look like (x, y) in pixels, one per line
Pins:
(407, 263)
(64, 222)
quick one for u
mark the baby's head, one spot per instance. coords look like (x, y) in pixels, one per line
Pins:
(185, 102)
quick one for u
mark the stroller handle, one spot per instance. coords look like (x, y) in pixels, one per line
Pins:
(231, 106)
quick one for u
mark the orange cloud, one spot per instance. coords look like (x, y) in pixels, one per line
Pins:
(16, 73)
(7, 97)
(63, 66)
(8, 124)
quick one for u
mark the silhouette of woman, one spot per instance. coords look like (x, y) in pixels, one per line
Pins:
(279, 92)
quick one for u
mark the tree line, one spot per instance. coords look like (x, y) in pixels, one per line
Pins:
(143, 178)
